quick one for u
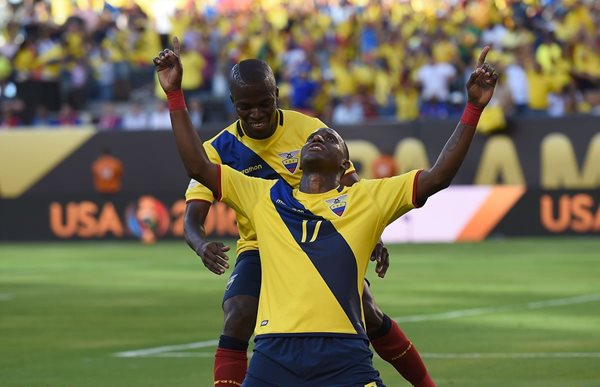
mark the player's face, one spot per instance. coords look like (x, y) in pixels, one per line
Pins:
(256, 105)
(324, 149)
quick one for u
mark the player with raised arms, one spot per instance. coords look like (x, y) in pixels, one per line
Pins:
(315, 240)
(265, 142)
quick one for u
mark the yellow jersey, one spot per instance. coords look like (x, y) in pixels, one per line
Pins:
(276, 157)
(315, 248)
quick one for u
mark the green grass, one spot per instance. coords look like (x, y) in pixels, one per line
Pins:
(66, 308)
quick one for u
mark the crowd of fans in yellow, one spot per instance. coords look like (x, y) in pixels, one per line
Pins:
(344, 60)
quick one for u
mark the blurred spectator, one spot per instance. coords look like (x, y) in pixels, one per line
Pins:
(196, 111)
(406, 97)
(109, 120)
(348, 112)
(303, 90)
(159, 118)
(104, 73)
(194, 61)
(516, 79)
(539, 85)
(12, 37)
(435, 79)
(68, 116)
(83, 53)
(135, 118)
(42, 117)
(78, 82)
(10, 117)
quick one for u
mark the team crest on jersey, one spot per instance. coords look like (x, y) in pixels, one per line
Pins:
(290, 160)
(337, 205)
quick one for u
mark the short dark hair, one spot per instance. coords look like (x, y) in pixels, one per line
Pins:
(251, 71)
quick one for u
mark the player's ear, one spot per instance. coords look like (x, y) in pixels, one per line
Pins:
(346, 164)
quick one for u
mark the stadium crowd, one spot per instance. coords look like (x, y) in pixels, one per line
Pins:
(68, 62)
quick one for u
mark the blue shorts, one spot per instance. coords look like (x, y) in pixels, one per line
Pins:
(245, 277)
(312, 361)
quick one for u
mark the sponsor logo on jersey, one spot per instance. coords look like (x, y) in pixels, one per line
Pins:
(337, 205)
(290, 160)
(264, 323)
(251, 169)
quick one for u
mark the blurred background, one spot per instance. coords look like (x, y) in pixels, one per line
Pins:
(67, 62)
(498, 275)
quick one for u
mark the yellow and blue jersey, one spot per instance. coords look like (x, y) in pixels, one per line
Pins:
(276, 157)
(315, 248)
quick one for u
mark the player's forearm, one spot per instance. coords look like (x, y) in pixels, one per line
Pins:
(191, 151)
(449, 161)
(194, 236)
(452, 156)
(193, 223)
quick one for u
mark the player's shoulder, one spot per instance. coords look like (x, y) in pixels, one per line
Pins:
(300, 121)
(227, 135)
(404, 180)
(232, 130)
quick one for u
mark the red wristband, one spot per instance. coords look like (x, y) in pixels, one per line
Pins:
(175, 100)
(471, 115)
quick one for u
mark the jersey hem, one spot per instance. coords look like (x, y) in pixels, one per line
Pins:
(353, 336)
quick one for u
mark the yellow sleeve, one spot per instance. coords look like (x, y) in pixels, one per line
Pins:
(241, 192)
(195, 190)
(393, 196)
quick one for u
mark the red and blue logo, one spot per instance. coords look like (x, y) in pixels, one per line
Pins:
(337, 205)
(147, 219)
(290, 160)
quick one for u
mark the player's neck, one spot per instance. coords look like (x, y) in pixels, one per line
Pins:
(314, 182)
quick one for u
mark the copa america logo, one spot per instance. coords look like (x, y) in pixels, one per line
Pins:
(147, 219)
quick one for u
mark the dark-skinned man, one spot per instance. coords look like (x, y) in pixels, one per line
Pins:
(315, 240)
(265, 142)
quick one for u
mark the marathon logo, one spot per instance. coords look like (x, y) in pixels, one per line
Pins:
(252, 169)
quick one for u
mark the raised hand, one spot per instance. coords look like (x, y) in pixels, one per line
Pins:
(214, 256)
(169, 69)
(481, 84)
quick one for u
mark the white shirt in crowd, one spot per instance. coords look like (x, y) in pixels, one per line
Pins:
(348, 112)
(516, 79)
(435, 80)
(135, 119)
(159, 119)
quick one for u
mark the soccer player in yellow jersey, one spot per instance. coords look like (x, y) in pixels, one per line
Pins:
(316, 240)
(267, 145)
